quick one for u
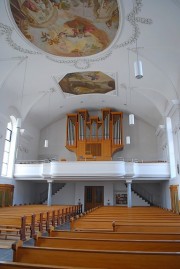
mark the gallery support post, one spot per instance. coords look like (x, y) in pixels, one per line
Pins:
(129, 195)
(49, 200)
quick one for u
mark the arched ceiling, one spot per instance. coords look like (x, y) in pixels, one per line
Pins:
(108, 35)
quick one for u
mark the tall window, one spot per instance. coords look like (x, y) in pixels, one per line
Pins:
(7, 147)
(10, 148)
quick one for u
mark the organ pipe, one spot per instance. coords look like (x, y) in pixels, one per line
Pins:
(100, 137)
(105, 128)
(72, 134)
(108, 119)
(69, 135)
(119, 131)
(117, 139)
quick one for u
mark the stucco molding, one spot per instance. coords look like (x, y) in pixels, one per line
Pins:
(84, 63)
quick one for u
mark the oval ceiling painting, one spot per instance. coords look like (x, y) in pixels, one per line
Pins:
(87, 83)
(69, 28)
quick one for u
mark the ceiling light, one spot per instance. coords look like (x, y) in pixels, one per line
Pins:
(46, 143)
(138, 70)
(128, 140)
(131, 119)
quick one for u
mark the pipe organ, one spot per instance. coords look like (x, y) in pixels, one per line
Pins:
(94, 138)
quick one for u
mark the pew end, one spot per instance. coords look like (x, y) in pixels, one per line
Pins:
(15, 247)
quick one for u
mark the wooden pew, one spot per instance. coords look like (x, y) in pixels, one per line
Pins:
(125, 226)
(145, 227)
(114, 235)
(16, 265)
(96, 258)
(125, 217)
(37, 218)
(108, 244)
(110, 211)
(131, 216)
(13, 226)
(101, 217)
(88, 224)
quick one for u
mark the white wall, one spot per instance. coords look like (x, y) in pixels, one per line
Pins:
(143, 144)
(24, 192)
(29, 143)
(56, 134)
(66, 196)
(143, 141)
(72, 192)
(137, 201)
(120, 187)
(165, 195)
(173, 111)
(150, 190)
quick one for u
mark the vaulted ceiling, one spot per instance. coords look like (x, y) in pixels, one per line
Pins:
(46, 41)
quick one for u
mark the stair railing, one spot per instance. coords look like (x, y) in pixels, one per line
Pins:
(146, 195)
(55, 188)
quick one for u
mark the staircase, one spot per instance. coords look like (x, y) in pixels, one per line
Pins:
(144, 194)
(55, 188)
(137, 199)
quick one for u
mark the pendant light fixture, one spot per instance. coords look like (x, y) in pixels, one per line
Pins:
(131, 119)
(46, 142)
(128, 140)
(138, 70)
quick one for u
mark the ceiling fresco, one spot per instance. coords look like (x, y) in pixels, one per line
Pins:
(68, 28)
(87, 83)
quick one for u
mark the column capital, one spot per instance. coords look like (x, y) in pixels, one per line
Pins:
(128, 181)
(50, 180)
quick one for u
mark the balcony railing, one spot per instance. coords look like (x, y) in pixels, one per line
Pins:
(105, 170)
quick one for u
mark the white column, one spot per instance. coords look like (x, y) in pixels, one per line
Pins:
(170, 142)
(129, 197)
(50, 181)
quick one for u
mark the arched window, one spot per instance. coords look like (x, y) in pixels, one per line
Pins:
(9, 148)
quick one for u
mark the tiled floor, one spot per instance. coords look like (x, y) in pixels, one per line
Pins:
(6, 254)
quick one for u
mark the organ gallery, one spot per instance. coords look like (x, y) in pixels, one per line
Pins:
(94, 137)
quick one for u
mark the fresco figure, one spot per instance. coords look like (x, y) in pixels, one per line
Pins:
(68, 28)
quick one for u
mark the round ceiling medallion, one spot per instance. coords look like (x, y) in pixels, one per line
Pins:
(68, 28)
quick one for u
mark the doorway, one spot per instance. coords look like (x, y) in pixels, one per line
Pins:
(94, 196)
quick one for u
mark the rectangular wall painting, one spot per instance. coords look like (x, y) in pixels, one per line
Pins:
(121, 198)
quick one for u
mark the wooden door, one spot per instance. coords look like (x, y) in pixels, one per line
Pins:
(6, 195)
(94, 196)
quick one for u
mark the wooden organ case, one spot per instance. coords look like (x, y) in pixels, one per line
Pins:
(92, 138)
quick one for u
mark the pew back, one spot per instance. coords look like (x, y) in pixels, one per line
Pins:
(16, 265)
(97, 258)
(108, 244)
(114, 235)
